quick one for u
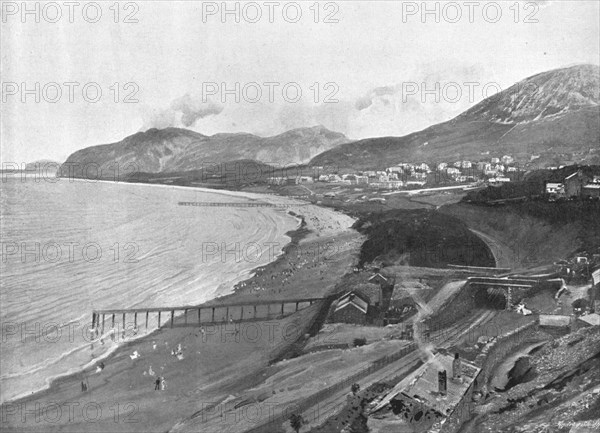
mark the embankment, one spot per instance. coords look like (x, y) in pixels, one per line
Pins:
(500, 347)
(421, 237)
(522, 238)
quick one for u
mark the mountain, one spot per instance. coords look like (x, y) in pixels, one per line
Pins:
(553, 117)
(179, 150)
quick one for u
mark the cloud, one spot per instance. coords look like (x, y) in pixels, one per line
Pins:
(184, 111)
(384, 109)
(363, 102)
(377, 93)
(192, 110)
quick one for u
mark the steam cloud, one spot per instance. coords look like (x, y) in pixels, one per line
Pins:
(193, 110)
(183, 111)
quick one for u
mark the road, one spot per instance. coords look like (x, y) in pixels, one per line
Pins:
(419, 191)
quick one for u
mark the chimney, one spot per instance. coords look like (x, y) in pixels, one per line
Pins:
(442, 382)
(456, 367)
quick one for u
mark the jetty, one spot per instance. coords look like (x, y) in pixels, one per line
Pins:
(194, 315)
(217, 204)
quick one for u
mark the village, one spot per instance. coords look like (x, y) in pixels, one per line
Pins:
(405, 175)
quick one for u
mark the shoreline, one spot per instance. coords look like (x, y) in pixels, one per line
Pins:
(236, 291)
(241, 277)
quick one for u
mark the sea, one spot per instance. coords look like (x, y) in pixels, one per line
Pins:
(71, 246)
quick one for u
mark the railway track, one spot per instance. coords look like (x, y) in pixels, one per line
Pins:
(396, 366)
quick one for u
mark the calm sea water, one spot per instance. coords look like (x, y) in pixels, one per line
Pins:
(72, 246)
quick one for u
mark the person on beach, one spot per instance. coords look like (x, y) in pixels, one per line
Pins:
(163, 384)
(157, 384)
(83, 386)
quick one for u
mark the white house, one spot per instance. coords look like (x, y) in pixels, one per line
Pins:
(507, 159)
(555, 188)
(415, 183)
(499, 180)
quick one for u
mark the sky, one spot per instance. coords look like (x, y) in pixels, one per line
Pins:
(361, 68)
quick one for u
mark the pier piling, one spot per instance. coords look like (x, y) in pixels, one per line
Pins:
(227, 312)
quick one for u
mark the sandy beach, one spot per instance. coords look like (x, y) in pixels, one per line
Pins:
(203, 367)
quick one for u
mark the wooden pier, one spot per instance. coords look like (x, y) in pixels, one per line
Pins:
(214, 204)
(194, 315)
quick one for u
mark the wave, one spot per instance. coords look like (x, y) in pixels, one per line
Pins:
(168, 270)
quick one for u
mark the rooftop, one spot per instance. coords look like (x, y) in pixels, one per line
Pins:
(570, 176)
(352, 299)
(423, 385)
(593, 319)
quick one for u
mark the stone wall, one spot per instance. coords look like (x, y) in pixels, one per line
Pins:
(499, 347)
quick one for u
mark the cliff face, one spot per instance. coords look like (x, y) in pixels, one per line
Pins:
(178, 150)
(554, 115)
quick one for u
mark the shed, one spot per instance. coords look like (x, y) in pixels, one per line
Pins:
(351, 308)
(554, 320)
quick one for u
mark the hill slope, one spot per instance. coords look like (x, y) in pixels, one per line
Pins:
(179, 150)
(555, 115)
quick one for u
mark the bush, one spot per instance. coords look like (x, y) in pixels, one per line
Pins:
(360, 342)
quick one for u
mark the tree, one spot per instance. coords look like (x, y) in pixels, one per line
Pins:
(296, 421)
(359, 342)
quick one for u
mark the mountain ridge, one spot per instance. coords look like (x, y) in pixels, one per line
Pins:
(526, 120)
(552, 117)
(177, 149)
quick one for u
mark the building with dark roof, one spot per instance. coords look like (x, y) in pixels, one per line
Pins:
(351, 308)
(574, 184)
(435, 397)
